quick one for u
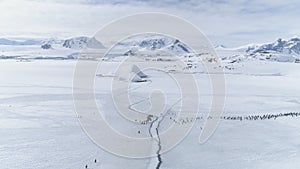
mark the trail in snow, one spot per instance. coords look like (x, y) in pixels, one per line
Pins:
(154, 125)
(155, 135)
(159, 144)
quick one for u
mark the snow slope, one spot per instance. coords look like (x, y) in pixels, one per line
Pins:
(38, 116)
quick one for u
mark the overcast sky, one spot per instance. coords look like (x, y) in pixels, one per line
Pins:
(227, 22)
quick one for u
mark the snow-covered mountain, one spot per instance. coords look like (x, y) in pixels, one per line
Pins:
(72, 43)
(151, 44)
(291, 46)
(82, 42)
(48, 48)
(149, 47)
(281, 51)
(154, 47)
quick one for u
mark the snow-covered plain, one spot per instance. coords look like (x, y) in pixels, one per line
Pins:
(39, 127)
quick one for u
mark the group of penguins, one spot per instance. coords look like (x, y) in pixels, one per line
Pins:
(87, 166)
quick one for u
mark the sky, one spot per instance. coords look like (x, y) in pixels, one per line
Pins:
(225, 22)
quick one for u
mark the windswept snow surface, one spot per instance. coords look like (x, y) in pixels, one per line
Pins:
(39, 127)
